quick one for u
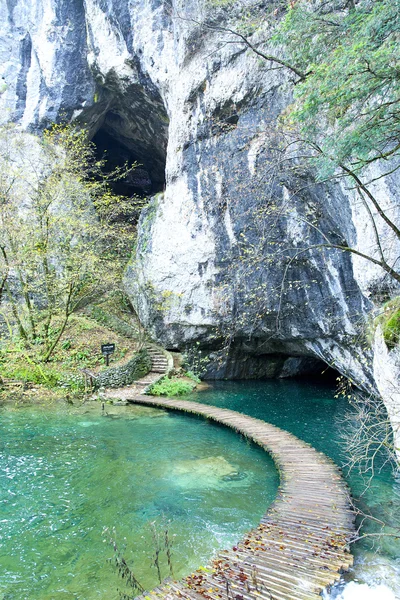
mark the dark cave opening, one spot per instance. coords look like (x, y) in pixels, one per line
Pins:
(239, 364)
(147, 179)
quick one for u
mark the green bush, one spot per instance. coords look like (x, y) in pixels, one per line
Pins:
(30, 373)
(391, 330)
(171, 387)
(389, 320)
(193, 376)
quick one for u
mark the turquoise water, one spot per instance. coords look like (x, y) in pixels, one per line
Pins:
(64, 477)
(310, 411)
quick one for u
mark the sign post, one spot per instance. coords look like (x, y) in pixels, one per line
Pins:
(107, 350)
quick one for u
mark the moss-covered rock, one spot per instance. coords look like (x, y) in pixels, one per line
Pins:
(389, 320)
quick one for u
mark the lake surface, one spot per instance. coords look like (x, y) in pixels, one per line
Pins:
(309, 410)
(64, 477)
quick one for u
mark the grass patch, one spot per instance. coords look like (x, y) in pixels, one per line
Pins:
(35, 374)
(172, 387)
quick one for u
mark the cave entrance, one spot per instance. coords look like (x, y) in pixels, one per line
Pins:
(130, 128)
(147, 179)
(242, 364)
(129, 124)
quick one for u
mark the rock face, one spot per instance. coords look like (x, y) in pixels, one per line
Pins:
(386, 366)
(223, 260)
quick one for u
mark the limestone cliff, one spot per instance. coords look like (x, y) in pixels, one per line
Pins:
(223, 257)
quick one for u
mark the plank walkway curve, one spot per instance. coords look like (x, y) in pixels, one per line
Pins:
(301, 544)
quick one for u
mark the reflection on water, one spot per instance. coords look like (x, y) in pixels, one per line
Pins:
(64, 477)
(309, 410)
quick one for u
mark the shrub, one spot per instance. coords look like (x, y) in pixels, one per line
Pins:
(171, 387)
(31, 373)
(391, 330)
(390, 322)
(193, 376)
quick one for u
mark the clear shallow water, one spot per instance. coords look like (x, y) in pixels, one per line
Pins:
(63, 477)
(309, 410)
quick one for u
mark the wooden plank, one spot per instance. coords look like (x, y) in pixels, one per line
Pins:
(300, 546)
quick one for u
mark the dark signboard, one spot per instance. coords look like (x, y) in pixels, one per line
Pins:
(107, 348)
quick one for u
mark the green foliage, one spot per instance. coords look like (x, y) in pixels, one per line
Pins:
(196, 362)
(391, 331)
(347, 105)
(29, 372)
(193, 376)
(171, 387)
(115, 311)
(61, 244)
(389, 320)
(79, 349)
(343, 59)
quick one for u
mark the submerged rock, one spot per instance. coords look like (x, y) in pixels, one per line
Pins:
(205, 472)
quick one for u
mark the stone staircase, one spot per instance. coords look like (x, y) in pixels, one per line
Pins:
(161, 363)
(159, 360)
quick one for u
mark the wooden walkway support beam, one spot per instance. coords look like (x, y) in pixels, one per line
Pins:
(302, 543)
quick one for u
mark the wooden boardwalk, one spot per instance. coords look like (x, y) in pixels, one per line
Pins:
(301, 544)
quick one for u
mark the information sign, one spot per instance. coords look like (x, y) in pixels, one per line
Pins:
(107, 350)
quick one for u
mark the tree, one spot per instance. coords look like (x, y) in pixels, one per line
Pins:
(342, 125)
(343, 59)
(60, 243)
(348, 101)
(322, 138)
